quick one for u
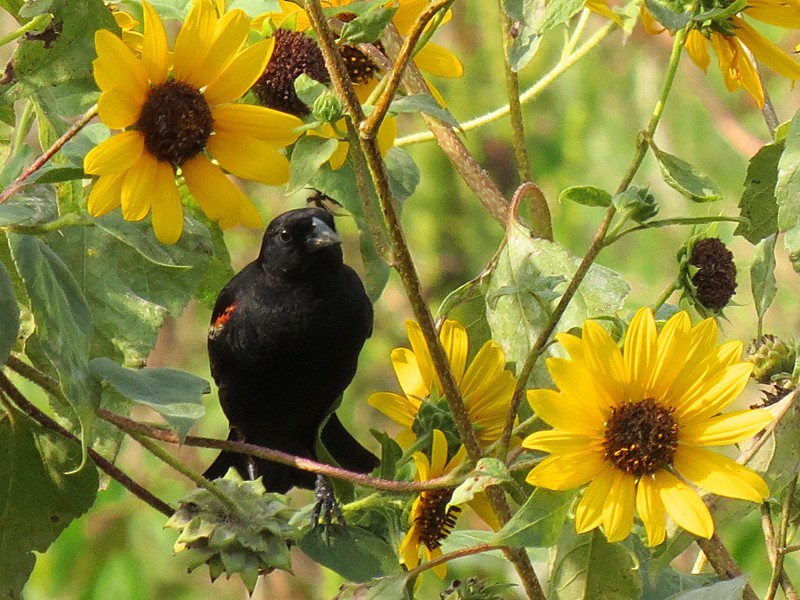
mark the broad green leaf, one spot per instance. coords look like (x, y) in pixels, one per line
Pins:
(488, 472)
(63, 319)
(353, 552)
(39, 500)
(787, 192)
(174, 394)
(585, 194)
(9, 324)
(762, 275)
(558, 12)
(719, 13)
(670, 13)
(309, 154)
(529, 14)
(422, 103)
(403, 174)
(758, 204)
(538, 522)
(531, 274)
(685, 179)
(587, 567)
(308, 89)
(368, 27)
(385, 588)
(731, 589)
(13, 168)
(61, 53)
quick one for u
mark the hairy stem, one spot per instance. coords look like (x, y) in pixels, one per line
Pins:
(723, 564)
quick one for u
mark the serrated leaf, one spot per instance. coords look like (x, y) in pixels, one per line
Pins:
(63, 319)
(488, 472)
(521, 311)
(538, 522)
(422, 103)
(39, 500)
(174, 394)
(586, 195)
(685, 179)
(9, 308)
(758, 203)
(368, 27)
(353, 552)
(309, 154)
(588, 567)
(762, 275)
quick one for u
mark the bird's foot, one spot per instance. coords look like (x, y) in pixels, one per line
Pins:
(326, 507)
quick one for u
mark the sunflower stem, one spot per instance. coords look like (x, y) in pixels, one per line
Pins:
(662, 299)
(15, 185)
(723, 563)
(38, 22)
(597, 244)
(777, 558)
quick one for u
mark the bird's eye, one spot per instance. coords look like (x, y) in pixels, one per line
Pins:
(285, 236)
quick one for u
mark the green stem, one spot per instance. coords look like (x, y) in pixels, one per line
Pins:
(36, 23)
(598, 243)
(671, 288)
(526, 96)
(26, 120)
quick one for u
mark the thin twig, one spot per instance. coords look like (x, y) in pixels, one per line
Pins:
(103, 464)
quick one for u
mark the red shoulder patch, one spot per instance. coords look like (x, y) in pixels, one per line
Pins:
(219, 323)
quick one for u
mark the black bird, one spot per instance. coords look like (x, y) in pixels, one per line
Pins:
(283, 345)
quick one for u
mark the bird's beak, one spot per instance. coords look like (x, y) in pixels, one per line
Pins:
(322, 236)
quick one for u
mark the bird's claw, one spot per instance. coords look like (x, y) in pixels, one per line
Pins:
(326, 507)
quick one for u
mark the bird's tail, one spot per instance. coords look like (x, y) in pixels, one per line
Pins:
(345, 449)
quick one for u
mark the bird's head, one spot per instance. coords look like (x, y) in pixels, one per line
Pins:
(299, 240)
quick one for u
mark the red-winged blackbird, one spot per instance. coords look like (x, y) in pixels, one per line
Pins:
(283, 344)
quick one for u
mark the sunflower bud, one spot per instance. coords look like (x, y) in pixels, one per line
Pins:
(773, 358)
(327, 108)
(708, 274)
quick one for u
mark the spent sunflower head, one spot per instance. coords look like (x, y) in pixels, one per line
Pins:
(634, 424)
(707, 274)
(736, 42)
(430, 519)
(176, 113)
(486, 386)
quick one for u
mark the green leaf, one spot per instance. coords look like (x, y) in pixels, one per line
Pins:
(353, 552)
(63, 319)
(422, 103)
(12, 6)
(731, 589)
(385, 588)
(787, 192)
(671, 14)
(586, 195)
(174, 394)
(309, 154)
(588, 567)
(762, 275)
(38, 499)
(488, 471)
(529, 15)
(531, 274)
(308, 89)
(685, 179)
(367, 28)
(758, 203)
(9, 324)
(538, 522)
(403, 174)
(63, 53)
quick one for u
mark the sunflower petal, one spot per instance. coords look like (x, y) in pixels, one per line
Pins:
(651, 510)
(192, 43)
(640, 352)
(618, 507)
(117, 65)
(555, 441)
(167, 208)
(114, 155)
(399, 409)
(139, 188)
(484, 369)
(563, 412)
(229, 37)
(256, 121)
(105, 194)
(710, 397)
(117, 109)
(566, 471)
(409, 374)
(420, 349)
(438, 454)
(719, 474)
(683, 505)
(240, 74)
(249, 158)
(155, 51)
(730, 428)
(437, 60)
(455, 342)
(766, 51)
(589, 512)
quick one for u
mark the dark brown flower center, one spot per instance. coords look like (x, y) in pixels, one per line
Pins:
(715, 279)
(294, 54)
(359, 66)
(432, 521)
(175, 122)
(641, 437)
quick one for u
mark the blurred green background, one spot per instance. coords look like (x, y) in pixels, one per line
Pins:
(580, 131)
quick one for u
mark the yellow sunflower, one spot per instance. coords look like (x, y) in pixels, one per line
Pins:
(430, 521)
(431, 58)
(387, 133)
(736, 43)
(486, 386)
(176, 113)
(634, 423)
